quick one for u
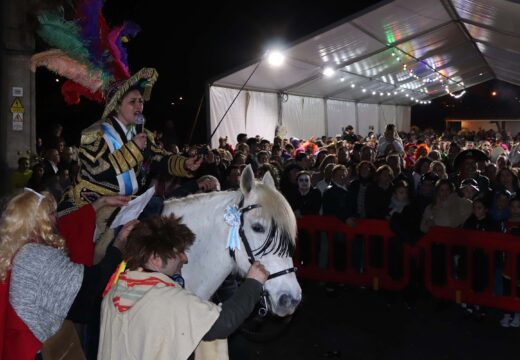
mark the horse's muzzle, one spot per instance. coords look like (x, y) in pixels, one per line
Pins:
(287, 304)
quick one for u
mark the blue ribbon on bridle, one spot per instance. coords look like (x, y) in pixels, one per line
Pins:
(232, 218)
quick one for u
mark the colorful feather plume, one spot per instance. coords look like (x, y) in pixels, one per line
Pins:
(87, 51)
(72, 92)
(63, 35)
(58, 62)
(88, 13)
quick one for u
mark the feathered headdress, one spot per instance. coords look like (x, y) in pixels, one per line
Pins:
(90, 54)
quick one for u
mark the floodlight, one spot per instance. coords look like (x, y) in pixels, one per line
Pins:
(275, 58)
(328, 71)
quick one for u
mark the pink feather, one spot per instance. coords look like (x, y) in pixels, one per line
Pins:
(59, 62)
(120, 68)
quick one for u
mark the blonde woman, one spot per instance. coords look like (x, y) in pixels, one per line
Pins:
(39, 285)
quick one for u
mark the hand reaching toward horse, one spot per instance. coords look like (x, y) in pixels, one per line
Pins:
(193, 163)
(115, 201)
(258, 272)
(122, 236)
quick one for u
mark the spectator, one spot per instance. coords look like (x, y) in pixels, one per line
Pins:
(307, 200)
(390, 138)
(379, 193)
(36, 180)
(20, 177)
(358, 187)
(447, 208)
(507, 180)
(469, 189)
(337, 200)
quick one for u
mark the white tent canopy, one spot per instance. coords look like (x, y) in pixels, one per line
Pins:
(397, 54)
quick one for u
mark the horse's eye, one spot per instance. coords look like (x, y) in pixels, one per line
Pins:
(258, 228)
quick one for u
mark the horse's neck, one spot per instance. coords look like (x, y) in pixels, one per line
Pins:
(209, 260)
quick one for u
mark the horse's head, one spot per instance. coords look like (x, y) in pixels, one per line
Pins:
(269, 227)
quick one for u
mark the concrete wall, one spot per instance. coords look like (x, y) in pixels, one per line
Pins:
(16, 48)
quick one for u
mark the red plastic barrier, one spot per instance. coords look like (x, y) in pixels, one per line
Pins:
(489, 244)
(372, 275)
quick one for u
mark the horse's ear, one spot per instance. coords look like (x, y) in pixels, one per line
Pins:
(268, 180)
(247, 180)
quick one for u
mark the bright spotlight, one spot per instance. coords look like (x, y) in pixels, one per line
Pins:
(328, 71)
(275, 58)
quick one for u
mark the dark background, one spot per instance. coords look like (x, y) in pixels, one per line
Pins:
(194, 42)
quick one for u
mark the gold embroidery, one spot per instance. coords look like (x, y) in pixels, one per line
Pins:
(89, 136)
(85, 186)
(98, 155)
(176, 166)
(114, 164)
(128, 156)
(135, 151)
(120, 160)
(96, 170)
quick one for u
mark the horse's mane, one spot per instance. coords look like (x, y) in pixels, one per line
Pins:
(274, 209)
(186, 200)
(283, 222)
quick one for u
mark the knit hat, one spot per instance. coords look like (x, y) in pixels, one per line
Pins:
(44, 284)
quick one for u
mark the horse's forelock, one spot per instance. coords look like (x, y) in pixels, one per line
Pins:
(275, 206)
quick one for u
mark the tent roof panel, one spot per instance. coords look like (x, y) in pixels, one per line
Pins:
(401, 19)
(461, 42)
(499, 14)
(336, 46)
(490, 37)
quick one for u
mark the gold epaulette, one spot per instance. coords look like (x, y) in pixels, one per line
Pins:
(92, 133)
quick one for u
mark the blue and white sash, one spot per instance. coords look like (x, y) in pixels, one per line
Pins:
(127, 181)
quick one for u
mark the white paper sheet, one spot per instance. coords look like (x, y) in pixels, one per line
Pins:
(133, 209)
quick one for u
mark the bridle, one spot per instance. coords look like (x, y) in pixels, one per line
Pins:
(250, 255)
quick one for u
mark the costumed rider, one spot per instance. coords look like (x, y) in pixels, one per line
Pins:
(114, 157)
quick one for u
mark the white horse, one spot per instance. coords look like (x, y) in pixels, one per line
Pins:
(268, 225)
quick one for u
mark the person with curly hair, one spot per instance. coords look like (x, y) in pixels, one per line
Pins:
(147, 314)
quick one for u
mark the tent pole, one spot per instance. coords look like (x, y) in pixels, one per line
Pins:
(196, 119)
(229, 107)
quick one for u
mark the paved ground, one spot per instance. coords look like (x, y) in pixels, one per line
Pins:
(364, 324)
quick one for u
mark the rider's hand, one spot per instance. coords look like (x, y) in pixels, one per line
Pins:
(258, 272)
(193, 163)
(140, 140)
(116, 201)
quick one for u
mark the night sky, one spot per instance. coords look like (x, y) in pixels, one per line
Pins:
(201, 42)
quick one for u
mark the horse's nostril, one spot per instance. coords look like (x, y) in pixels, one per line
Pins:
(285, 300)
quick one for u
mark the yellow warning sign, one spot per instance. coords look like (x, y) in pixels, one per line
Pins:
(16, 106)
